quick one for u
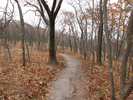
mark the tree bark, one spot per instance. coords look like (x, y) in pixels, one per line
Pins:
(27, 50)
(52, 13)
(70, 44)
(127, 90)
(52, 52)
(75, 44)
(104, 49)
(109, 52)
(128, 46)
(22, 31)
(92, 37)
(100, 34)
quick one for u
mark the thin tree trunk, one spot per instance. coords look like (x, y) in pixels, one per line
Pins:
(6, 46)
(62, 44)
(70, 43)
(127, 90)
(104, 48)
(100, 34)
(38, 32)
(27, 50)
(92, 62)
(109, 52)
(92, 37)
(129, 68)
(75, 45)
(128, 46)
(22, 31)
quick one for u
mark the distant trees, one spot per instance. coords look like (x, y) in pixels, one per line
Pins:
(4, 25)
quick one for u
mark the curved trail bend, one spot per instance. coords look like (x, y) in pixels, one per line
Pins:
(69, 82)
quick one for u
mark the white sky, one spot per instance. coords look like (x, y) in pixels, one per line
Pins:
(29, 17)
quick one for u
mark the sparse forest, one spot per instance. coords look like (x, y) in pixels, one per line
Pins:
(99, 33)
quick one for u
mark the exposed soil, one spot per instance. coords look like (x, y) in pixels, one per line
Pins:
(77, 80)
(70, 84)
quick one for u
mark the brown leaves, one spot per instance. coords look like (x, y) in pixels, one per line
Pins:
(98, 84)
(29, 82)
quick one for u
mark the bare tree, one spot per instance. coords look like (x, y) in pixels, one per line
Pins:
(93, 54)
(52, 16)
(100, 34)
(38, 32)
(128, 46)
(109, 52)
(22, 31)
(52, 13)
(5, 24)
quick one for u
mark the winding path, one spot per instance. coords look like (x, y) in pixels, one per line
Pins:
(69, 82)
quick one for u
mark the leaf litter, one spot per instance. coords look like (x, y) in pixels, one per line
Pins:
(29, 82)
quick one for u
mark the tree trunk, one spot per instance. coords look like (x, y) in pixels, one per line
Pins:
(92, 37)
(38, 32)
(62, 44)
(27, 50)
(128, 74)
(92, 62)
(70, 43)
(22, 31)
(7, 47)
(127, 90)
(104, 49)
(52, 52)
(100, 34)
(109, 52)
(128, 46)
(75, 45)
(52, 13)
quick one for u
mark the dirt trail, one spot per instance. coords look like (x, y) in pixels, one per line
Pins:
(69, 85)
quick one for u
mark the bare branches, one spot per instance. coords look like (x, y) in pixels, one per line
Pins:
(129, 3)
(46, 7)
(54, 5)
(40, 10)
(11, 15)
(58, 7)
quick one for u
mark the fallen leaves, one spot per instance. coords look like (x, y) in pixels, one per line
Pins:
(29, 82)
(98, 83)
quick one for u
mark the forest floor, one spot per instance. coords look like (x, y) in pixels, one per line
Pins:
(29, 82)
(36, 80)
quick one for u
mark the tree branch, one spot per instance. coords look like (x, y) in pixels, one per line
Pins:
(46, 7)
(129, 3)
(40, 11)
(128, 89)
(57, 9)
(53, 6)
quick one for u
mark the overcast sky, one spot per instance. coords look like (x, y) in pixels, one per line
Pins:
(29, 17)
